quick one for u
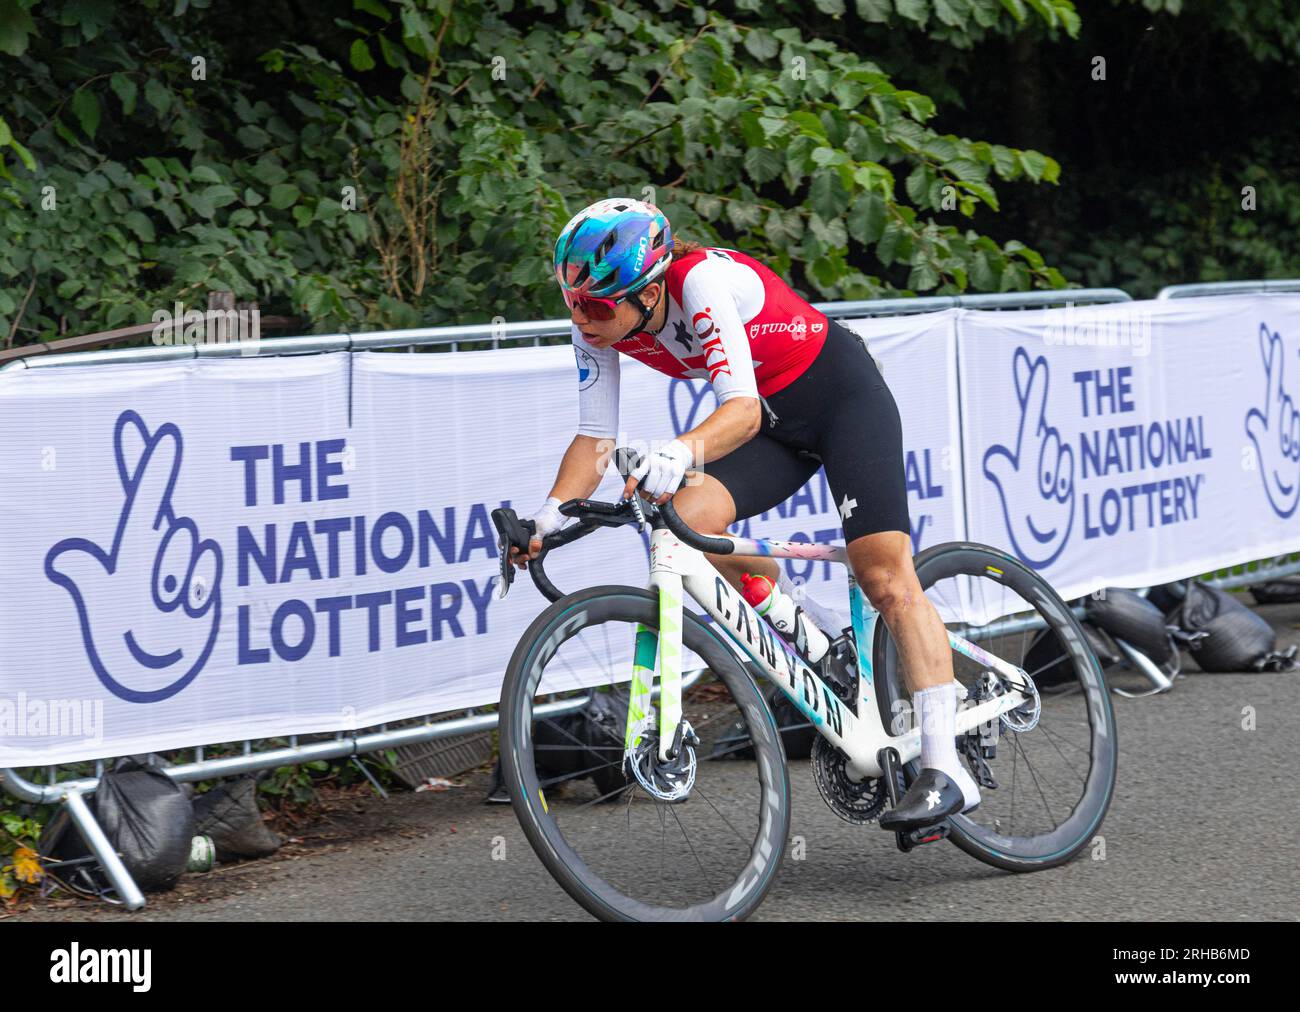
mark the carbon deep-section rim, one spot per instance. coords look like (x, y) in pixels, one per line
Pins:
(566, 618)
(1010, 852)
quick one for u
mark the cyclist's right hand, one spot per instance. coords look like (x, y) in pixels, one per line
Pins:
(546, 520)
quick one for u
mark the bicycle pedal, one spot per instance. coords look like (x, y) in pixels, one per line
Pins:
(913, 838)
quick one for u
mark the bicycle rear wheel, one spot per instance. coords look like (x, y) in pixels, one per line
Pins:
(1054, 762)
(618, 850)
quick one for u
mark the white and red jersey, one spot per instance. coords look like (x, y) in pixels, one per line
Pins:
(730, 320)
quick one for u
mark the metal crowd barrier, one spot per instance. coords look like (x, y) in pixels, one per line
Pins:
(73, 792)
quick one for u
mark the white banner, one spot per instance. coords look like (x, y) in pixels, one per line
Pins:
(213, 550)
(1134, 443)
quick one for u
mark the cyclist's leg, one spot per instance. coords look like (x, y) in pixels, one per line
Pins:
(751, 479)
(861, 445)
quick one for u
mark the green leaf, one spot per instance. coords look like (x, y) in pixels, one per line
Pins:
(877, 11)
(393, 56)
(253, 137)
(85, 106)
(809, 123)
(920, 106)
(204, 174)
(283, 195)
(913, 10)
(826, 195)
(923, 277)
(24, 155)
(866, 218)
(16, 26)
(157, 95)
(743, 216)
(918, 185)
(760, 44)
(138, 223)
(1034, 164)
(890, 241)
(220, 196)
(373, 7)
(952, 13)
(708, 206)
(982, 274)
(359, 55)
(125, 89)
(1017, 9)
(6, 135)
(1004, 162)
(763, 164)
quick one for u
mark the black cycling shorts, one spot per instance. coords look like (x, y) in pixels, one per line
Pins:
(838, 414)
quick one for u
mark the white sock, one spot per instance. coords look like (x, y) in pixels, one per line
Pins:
(823, 618)
(936, 716)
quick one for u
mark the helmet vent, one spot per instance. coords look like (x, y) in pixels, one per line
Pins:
(607, 244)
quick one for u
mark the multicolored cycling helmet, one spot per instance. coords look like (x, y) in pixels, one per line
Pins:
(610, 250)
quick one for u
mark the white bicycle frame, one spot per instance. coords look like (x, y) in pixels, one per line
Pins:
(675, 567)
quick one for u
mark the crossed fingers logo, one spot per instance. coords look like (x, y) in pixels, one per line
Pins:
(149, 605)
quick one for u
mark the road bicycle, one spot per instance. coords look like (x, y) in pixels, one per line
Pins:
(678, 807)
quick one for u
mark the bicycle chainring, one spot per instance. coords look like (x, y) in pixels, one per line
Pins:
(858, 802)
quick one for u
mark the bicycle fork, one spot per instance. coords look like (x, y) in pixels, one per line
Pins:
(659, 651)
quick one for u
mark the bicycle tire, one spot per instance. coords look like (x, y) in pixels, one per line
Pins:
(540, 641)
(1018, 853)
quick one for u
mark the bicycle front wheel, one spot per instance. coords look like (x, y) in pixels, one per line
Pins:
(617, 848)
(1053, 759)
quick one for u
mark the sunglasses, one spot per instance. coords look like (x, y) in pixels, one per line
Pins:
(592, 308)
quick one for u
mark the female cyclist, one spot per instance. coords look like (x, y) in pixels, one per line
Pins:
(796, 391)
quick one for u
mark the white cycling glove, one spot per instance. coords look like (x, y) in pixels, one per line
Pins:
(548, 519)
(664, 469)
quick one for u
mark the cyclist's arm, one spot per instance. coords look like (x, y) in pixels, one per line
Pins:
(707, 298)
(582, 468)
(583, 465)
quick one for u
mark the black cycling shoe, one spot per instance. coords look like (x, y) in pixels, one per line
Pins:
(932, 798)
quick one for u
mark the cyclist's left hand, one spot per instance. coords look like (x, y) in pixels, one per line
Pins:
(663, 471)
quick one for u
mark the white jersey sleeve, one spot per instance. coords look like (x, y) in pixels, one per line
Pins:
(597, 388)
(712, 292)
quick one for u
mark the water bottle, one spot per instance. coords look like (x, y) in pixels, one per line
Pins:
(788, 618)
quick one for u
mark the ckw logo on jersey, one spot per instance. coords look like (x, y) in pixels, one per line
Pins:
(715, 358)
(156, 558)
(1274, 429)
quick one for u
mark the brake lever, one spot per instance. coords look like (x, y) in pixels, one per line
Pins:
(505, 571)
(638, 512)
(512, 532)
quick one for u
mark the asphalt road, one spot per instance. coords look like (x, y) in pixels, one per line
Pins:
(1202, 826)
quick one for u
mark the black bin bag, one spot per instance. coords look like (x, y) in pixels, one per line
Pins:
(148, 820)
(1237, 639)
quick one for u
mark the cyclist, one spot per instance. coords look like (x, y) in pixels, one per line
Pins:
(796, 391)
